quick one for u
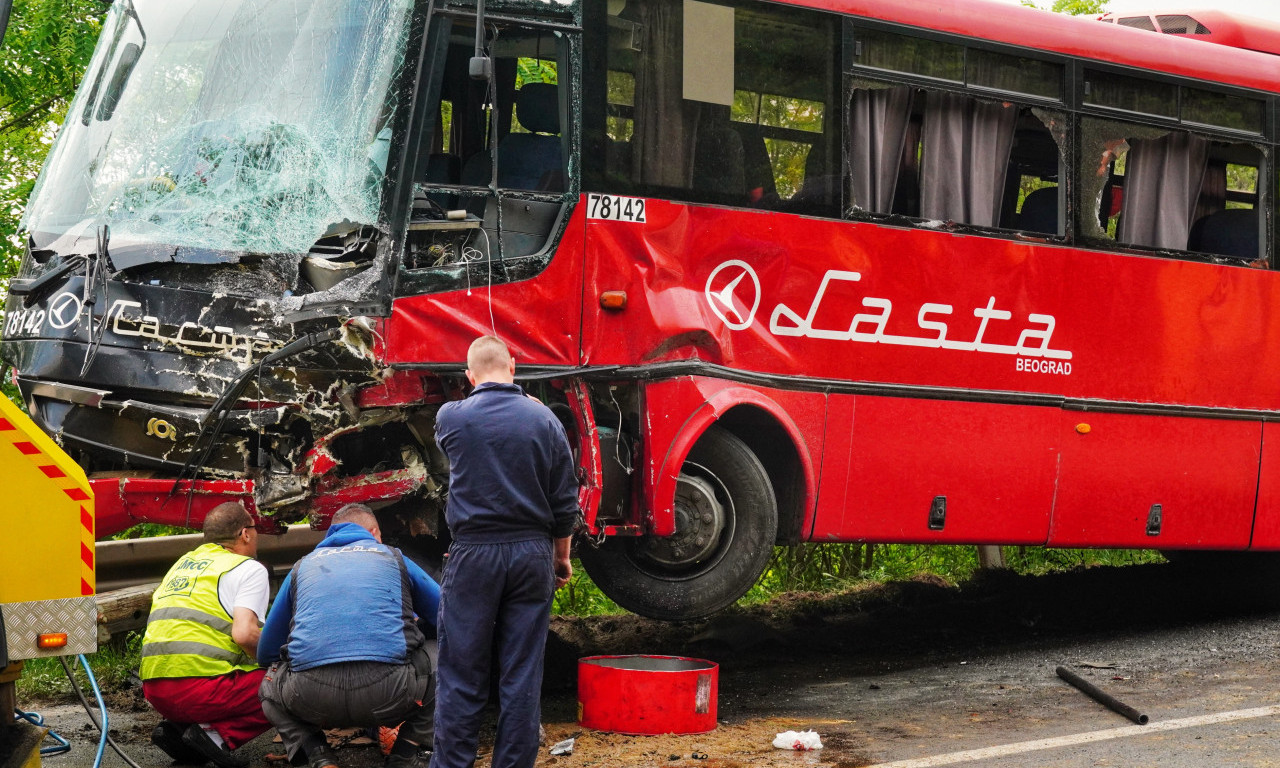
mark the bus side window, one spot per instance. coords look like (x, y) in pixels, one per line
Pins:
(1226, 222)
(1173, 190)
(968, 150)
(735, 132)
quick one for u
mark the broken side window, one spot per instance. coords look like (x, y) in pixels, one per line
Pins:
(949, 156)
(950, 133)
(492, 165)
(1169, 189)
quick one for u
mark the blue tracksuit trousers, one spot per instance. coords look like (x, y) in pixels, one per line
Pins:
(495, 603)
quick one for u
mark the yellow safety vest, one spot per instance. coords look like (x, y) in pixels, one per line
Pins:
(188, 632)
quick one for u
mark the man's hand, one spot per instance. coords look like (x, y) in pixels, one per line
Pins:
(564, 572)
(563, 568)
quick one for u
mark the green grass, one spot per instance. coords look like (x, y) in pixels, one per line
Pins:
(45, 680)
(835, 567)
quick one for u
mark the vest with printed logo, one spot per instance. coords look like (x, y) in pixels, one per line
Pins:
(189, 632)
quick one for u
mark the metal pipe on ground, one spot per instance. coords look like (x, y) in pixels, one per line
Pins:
(1102, 697)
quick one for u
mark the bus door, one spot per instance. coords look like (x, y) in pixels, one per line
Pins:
(492, 195)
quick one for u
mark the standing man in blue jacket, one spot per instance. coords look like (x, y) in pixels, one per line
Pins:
(513, 505)
(344, 644)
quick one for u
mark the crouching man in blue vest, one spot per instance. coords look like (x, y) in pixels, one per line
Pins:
(345, 648)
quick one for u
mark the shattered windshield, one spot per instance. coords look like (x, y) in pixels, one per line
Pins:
(238, 126)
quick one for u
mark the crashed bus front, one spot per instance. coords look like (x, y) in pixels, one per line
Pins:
(220, 197)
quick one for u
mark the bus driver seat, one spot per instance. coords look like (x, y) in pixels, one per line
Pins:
(526, 160)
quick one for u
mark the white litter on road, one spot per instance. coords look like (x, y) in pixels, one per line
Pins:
(799, 740)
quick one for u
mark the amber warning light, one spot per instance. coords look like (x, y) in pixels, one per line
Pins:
(51, 640)
(613, 300)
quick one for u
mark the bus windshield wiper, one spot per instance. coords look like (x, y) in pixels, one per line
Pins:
(95, 279)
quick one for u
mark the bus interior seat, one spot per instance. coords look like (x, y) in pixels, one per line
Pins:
(757, 170)
(718, 161)
(1040, 211)
(818, 192)
(1229, 232)
(533, 160)
(526, 160)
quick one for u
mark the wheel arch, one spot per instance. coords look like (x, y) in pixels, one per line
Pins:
(770, 433)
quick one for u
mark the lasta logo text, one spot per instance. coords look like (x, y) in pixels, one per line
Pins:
(734, 294)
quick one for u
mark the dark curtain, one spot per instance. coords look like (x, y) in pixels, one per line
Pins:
(878, 123)
(965, 158)
(665, 124)
(1162, 182)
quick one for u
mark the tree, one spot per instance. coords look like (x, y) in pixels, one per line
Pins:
(46, 49)
(1073, 7)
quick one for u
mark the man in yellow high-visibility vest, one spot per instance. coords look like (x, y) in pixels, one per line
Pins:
(199, 652)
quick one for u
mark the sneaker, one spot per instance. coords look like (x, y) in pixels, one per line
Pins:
(168, 737)
(195, 738)
(321, 757)
(420, 759)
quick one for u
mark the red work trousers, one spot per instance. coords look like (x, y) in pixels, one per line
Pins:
(227, 702)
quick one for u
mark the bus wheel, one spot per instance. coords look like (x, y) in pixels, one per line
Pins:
(726, 521)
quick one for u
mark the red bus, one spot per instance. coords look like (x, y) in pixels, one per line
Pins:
(1222, 27)
(815, 270)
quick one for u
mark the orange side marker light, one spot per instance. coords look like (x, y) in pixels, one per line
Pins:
(613, 300)
(47, 640)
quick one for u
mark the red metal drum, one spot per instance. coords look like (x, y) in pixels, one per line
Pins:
(647, 694)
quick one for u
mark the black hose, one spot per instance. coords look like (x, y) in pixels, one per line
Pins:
(75, 686)
(222, 407)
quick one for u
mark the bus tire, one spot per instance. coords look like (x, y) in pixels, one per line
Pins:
(726, 523)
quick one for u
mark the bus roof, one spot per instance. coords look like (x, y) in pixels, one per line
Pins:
(1222, 27)
(1075, 36)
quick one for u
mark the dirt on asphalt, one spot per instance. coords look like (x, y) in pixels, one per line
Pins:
(771, 656)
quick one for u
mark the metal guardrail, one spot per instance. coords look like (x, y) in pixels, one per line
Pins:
(132, 562)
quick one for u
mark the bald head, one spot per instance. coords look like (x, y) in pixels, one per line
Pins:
(225, 522)
(488, 359)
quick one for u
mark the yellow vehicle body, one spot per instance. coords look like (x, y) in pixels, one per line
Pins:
(46, 548)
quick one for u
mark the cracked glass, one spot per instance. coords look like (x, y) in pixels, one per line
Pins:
(246, 126)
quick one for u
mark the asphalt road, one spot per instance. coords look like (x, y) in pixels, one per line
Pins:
(921, 675)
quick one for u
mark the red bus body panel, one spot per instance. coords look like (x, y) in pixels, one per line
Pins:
(1202, 472)
(1128, 329)
(1137, 332)
(1072, 36)
(539, 318)
(992, 463)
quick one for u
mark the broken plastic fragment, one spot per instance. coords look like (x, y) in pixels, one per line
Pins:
(801, 740)
(562, 747)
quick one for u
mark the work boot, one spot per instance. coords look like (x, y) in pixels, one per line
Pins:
(406, 755)
(321, 757)
(167, 736)
(195, 738)
(420, 759)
